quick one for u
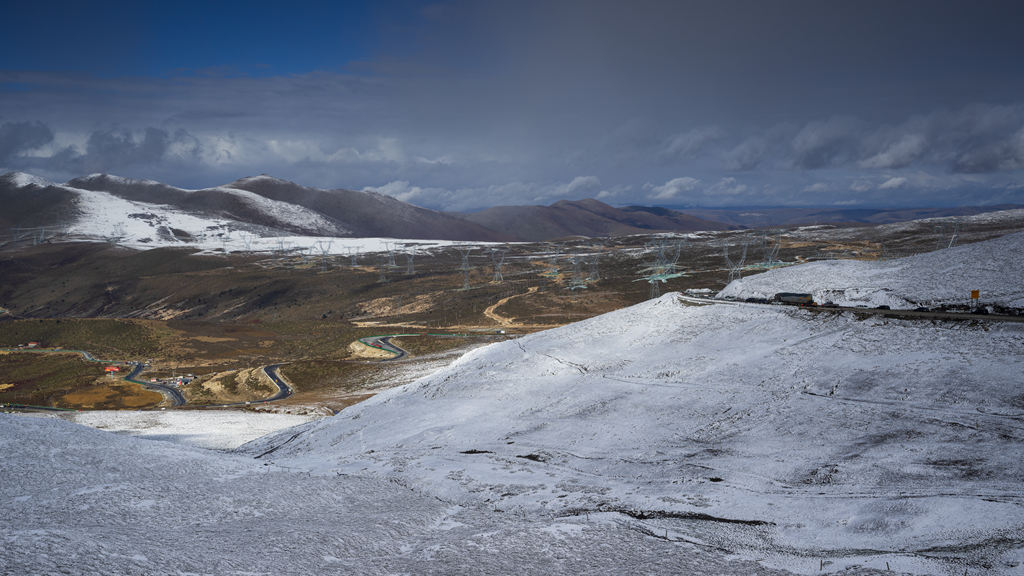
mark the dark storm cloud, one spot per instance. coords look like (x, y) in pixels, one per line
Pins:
(111, 148)
(481, 103)
(821, 144)
(19, 137)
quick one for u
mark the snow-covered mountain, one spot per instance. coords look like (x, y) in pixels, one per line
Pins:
(726, 438)
(141, 213)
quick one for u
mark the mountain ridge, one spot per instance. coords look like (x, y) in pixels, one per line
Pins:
(269, 206)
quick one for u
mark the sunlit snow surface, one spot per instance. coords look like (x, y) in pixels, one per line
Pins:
(942, 277)
(214, 429)
(662, 438)
(873, 440)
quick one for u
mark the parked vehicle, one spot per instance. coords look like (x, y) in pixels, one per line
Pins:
(794, 298)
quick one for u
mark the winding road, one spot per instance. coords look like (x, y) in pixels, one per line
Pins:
(283, 390)
(384, 343)
(173, 394)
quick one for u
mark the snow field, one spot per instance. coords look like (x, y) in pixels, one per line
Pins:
(213, 429)
(930, 279)
(74, 500)
(833, 436)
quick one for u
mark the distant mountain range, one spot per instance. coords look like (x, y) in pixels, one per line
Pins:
(102, 205)
(585, 218)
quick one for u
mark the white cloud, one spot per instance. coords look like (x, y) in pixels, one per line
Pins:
(898, 154)
(691, 143)
(673, 188)
(727, 187)
(861, 186)
(893, 183)
(402, 190)
(580, 185)
(385, 150)
(818, 187)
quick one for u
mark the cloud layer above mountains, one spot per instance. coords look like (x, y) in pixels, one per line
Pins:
(467, 104)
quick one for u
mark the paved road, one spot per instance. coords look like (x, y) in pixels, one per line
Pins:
(283, 390)
(33, 408)
(171, 393)
(384, 343)
(904, 314)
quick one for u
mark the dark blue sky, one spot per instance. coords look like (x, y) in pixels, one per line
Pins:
(462, 104)
(131, 38)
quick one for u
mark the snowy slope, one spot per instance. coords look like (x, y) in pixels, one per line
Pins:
(74, 500)
(22, 179)
(940, 277)
(141, 224)
(284, 213)
(837, 435)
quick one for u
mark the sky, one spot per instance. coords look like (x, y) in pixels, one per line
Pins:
(461, 105)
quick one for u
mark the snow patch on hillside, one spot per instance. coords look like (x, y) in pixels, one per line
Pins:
(940, 277)
(214, 429)
(140, 224)
(119, 179)
(21, 179)
(284, 213)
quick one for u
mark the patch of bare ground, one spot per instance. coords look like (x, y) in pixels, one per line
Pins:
(228, 387)
(358, 350)
(116, 395)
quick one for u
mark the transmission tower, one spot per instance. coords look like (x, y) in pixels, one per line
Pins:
(956, 234)
(117, 233)
(391, 254)
(594, 274)
(410, 266)
(246, 241)
(735, 266)
(465, 250)
(577, 282)
(43, 233)
(770, 249)
(665, 266)
(325, 251)
(383, 278)
(353, 255)
(498, 260)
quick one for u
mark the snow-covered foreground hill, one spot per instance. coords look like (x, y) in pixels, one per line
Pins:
(935, 278)
(771, 432)
(74, 500)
